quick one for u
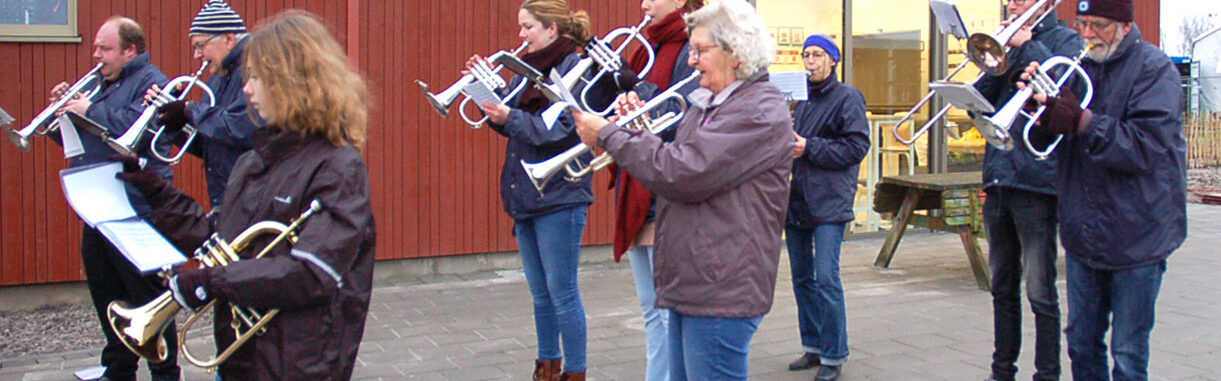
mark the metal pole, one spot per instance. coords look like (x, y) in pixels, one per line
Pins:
(937, 65)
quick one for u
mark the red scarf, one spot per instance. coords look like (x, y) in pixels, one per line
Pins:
(669, 36)
(532, 99)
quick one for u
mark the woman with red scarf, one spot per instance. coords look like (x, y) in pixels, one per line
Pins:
(548, 226)
(634, 203)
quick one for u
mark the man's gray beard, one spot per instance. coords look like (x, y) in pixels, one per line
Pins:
(1099, 55)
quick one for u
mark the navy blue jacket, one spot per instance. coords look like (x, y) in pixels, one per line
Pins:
(224, 130)
(1018, 168)
(1122, 181)
(116, 107)
(534, 138)
(836, 130)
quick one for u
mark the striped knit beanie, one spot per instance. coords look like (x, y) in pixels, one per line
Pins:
(217, 18)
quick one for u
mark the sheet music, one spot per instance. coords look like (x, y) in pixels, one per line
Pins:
(71, 139)
(480, 93)
(794, 84)
(949, 21)
(962, 95)
(95, 194)
(141, 244)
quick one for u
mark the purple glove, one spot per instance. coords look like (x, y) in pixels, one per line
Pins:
(147, 182)
(190, 287)
(173, 116)
(1063, 113)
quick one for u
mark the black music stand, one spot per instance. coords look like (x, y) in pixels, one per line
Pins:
(85, 124)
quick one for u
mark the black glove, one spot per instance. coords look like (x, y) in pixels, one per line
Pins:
(190, 287)
(146, 181)
(626, 79)
(173, 116)
(1063, 113)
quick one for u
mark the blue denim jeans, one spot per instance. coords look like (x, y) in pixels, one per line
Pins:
(550, 253)
(821, 312)
(656, 320)
(1125, 298)
(710, 348)
(1022, 243)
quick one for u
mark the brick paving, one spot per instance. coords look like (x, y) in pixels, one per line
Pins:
(921, 319)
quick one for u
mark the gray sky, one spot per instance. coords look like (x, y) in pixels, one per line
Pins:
(1173, 13)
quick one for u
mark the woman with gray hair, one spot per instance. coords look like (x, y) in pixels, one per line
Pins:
(722, 188)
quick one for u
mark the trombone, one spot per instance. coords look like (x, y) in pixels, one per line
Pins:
(1042, 83)
(21, 138)
(481, 74)
(132, 141)
(988, 52)
(639, 119)
(140, 328)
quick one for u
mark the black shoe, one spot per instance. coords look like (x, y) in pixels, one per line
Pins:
(806, 361)
(828, 373)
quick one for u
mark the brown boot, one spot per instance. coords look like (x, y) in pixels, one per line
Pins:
(546, 370)
(572, 376)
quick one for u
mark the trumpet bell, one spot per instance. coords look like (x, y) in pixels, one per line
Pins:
(987, 54)
(140, 328)
(995, 134)
(21, 141)
(440, 103)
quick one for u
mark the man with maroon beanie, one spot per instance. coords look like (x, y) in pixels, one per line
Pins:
(1121, 181)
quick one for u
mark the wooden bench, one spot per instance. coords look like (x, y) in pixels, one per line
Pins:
(953, 205)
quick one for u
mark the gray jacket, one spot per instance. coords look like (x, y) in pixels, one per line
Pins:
(723, 189)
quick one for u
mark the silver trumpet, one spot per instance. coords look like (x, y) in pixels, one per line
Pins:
(1041, 83)
(987, 52)
(598, 52)
(639, 119)
(483, 74)
(21, 138)
(132, 141)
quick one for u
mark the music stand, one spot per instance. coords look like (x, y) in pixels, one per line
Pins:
(948, 18)
(85, 124)
(963, 96)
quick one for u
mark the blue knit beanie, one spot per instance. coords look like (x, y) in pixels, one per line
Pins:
(824, 43)
(217, 18)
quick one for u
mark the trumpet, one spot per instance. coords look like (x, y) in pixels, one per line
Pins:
(598, 52)
(21, 138)
(133, 140)
(1041, 82)
(988, 53)
(639, 119)
(482, 74)
(140, 328)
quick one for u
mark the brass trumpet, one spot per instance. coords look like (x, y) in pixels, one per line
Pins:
(21, 138)
(132, 141)
(483, 74)
(140, 328)
(988, 53)
(639, 119)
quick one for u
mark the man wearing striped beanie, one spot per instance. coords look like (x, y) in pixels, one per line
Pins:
(217, 36)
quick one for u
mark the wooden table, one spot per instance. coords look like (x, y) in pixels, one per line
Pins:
(952, 200)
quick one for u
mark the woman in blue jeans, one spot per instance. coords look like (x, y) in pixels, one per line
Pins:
(548, 224)
(832, 136)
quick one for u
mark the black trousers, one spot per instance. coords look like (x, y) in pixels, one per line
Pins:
(112, 277)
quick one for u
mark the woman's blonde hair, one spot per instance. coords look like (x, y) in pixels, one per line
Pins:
(693, 5)
(574, 25)
(305, 72)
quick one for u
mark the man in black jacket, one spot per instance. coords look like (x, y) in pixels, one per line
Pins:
(1122, 179)
(1020, 213)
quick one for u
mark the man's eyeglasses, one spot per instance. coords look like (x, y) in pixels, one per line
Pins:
(1096, 26)
(695, 50)
(198, 46)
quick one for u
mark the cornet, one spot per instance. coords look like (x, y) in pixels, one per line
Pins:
(1042, 83)
(638, 119)
(140, 328)
(133, 140)
(598, 52)
(988, 53)
(21, 138)
(482, 74)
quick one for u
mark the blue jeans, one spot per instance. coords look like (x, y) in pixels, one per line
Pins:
(821, 312)
(1125, 298)
(550, 248)
(1022, 241)
(710, 348)
(656, 320)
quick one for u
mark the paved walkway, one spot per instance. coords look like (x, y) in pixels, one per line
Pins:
(922, 319)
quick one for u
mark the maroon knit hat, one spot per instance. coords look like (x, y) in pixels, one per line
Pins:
(1118, 10)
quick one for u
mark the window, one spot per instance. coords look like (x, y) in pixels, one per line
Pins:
(38, 21)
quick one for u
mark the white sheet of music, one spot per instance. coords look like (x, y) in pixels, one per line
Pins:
(72, 140)
(141, 244)
(480, 93)
(793, 84)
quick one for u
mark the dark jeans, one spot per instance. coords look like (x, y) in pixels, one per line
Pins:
(1022, 241)
(821, 312)
(1121, 300)
(112, 277)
